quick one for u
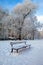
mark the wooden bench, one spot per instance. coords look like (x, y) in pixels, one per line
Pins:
(24, 45)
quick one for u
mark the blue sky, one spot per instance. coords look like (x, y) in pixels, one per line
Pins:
(40, 6)
(9, 4)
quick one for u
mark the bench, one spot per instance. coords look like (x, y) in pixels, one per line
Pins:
(18, 45)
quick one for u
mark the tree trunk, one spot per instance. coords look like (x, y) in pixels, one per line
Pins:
(19, 33)
(33, 34)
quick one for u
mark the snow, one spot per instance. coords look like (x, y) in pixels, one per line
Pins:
(29, 56)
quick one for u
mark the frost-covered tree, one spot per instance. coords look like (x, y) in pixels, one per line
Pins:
(20, 24)
(3, 15)
(25, 18)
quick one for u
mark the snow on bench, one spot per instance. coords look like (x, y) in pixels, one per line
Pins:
(19, 45)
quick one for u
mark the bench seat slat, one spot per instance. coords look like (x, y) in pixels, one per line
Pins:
(21, 47)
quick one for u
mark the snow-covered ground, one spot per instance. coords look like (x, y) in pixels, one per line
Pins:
(29, 56)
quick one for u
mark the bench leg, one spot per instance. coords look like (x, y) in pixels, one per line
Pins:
(11, 50)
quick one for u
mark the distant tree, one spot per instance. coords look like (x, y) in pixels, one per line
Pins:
(3, 14)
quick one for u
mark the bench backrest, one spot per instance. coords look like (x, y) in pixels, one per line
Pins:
(17, 42)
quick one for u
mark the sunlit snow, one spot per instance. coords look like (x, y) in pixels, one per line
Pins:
(29, 56)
